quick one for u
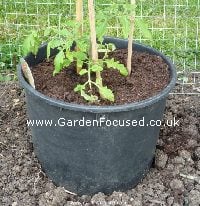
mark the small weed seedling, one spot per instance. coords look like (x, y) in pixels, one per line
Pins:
(77, 42)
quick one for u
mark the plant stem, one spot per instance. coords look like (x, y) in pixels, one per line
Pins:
(94, 52)
(89, 78)
(79, 19)
(130, 40)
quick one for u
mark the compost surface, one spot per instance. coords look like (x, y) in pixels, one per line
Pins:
(173, 180)
(150, 74)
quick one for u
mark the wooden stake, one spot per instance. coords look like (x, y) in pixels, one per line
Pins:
(130, 40)
(79, 19)
(79, 14)
(130, 45)
(93, 36)
(27, 72)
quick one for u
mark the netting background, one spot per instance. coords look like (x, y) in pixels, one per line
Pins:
(175, 25)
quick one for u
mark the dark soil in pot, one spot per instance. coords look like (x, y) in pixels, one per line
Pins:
(149, 76)
(23, 183)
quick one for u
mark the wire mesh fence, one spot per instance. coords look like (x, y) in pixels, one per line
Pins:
(175, 26)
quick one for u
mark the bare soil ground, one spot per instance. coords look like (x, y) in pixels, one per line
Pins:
(174, 179)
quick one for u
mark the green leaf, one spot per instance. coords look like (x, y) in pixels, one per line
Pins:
(106, 47)
(71, 23)
(79, 88)
(83, 45)
(90, 98)
(80, 55)
(52, 45)
(125, 25)
(143, 27)
(68, 44)
(83, 71)
(70, 56)
(58, 62)
(64, 32)
(106, 93)
(111, 63)
(111, 47)
(31, 43)
(66, 62)
(101, 29)
(96, 68)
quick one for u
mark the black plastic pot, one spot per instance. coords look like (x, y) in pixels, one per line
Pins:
(86, 160)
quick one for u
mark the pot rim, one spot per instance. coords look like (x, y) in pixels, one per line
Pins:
(108, 108)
